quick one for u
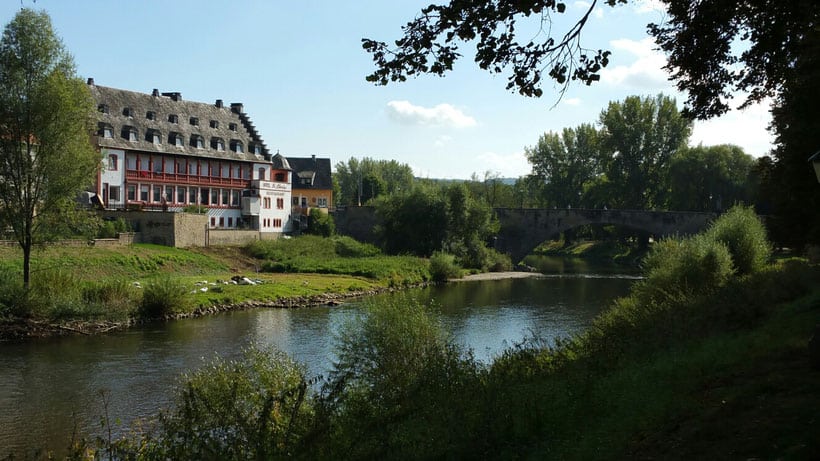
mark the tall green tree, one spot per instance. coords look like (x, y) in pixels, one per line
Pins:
(46, 157)
(565, 163)
(412, 222)
(710, 178)
(641, 134)
(363, 179)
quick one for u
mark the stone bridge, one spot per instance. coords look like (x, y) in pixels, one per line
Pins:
(523, 229)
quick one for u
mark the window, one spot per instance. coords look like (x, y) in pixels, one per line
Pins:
(266, 203)
(192, 195)
(214, 124)
(114, 193)
(304, 202)
(305, 181)
(277, 223)
(323, 202)
(157, 161)
(173, 118)
(193, 121)
(225, 197)
(226, 170)
(112, 162)
(131, 162)
(176, 139)
(280, 203)
(191, 168)
(234, 198)
(129, 133)
(169, 166)
(221, 221)
(257, 149)
(246, 172)
(214, 196)
(151, 115)
(295, 201)
(236, 146)
(197, 141)
(105, 130)
(102, 108)
(169, 193)
(132, 192)
(127, 112)
(153, 136)
(230, 221)
(313, 200)
(217, 144)
(262, 174)
(203, 196)
(180, 194)
(280, 177)
(213, 221)
(145, 162)
(144, 192)
(232, 126)
(157, 193)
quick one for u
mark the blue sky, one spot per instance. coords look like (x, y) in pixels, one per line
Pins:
(299, 69)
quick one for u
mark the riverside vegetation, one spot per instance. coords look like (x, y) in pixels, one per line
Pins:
(707, 358)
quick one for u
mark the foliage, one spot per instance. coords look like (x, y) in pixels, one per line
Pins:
(700, 42)
(412, 222)
(196, 209)
(640, 135)
(435, 34)
(320, 223)
(45, 127)
(111, 228)
(709, 178)
(116, 297)
(443, 267)
(565, 163)
(744, 234)
(362, 180)
(164, 296)
(398, 390)
(256, 407)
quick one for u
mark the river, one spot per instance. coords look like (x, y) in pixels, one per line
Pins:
(51, 388)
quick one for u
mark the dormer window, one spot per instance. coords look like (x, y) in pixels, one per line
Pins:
(102, 108)
(197, 141)
(151, 115)
(173, 118)
(129, 133)
(214, 124)
(236, 146)
(257, 149)
(279, 177)
(217, 144)
(193, 121)
(105, 130)
(153, 136)
(176, 139)
(128, 112)
(232, 126)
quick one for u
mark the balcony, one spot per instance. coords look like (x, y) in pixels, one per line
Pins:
(251, 206)
(135, 175)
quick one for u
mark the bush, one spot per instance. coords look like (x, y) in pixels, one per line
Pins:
(742, 231)
(115, 297)
(164, 297)
(443, 267)
(13, 298)
(254, 408)
(348, 247)
(320, 223)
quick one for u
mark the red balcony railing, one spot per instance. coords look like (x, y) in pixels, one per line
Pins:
(174, 178)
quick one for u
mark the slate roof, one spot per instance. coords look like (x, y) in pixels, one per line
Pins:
(164, 105)
(316, 168)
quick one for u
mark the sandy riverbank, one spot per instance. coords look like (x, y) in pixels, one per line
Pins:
(498, 276)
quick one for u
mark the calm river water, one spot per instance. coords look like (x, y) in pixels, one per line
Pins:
(50, 388)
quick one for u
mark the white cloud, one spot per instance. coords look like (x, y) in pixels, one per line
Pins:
(644, 73)
(441, 115)
(571, 101)
(746, 128)
(648, 6)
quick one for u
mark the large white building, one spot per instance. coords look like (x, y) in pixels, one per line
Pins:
(162, 153)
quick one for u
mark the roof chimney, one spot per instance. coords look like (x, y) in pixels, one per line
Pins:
(219, 103)
(155, 93)
(237, 107)
(90, 81)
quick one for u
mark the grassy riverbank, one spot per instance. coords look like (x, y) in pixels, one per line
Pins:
(86, 289)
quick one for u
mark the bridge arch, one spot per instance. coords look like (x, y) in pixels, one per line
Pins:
(522, 229)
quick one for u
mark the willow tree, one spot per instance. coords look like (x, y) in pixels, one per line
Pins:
(46, 111)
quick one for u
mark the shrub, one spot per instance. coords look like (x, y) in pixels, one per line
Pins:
(115, 297)
(256, 407)
(164, 297)
(320, 223)
(443, 267)
(348, 247)
(742, 231)
(13, 297)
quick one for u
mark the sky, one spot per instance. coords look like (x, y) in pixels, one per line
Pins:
(299, 69)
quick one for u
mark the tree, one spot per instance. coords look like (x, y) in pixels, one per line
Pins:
(46, 156)
(436, 33)
(565, 163)
(710, 178)
(382, 176)
(412, 222)
(701, 41)
(642, 134)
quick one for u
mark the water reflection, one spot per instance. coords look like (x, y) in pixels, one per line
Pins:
(47, 388)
